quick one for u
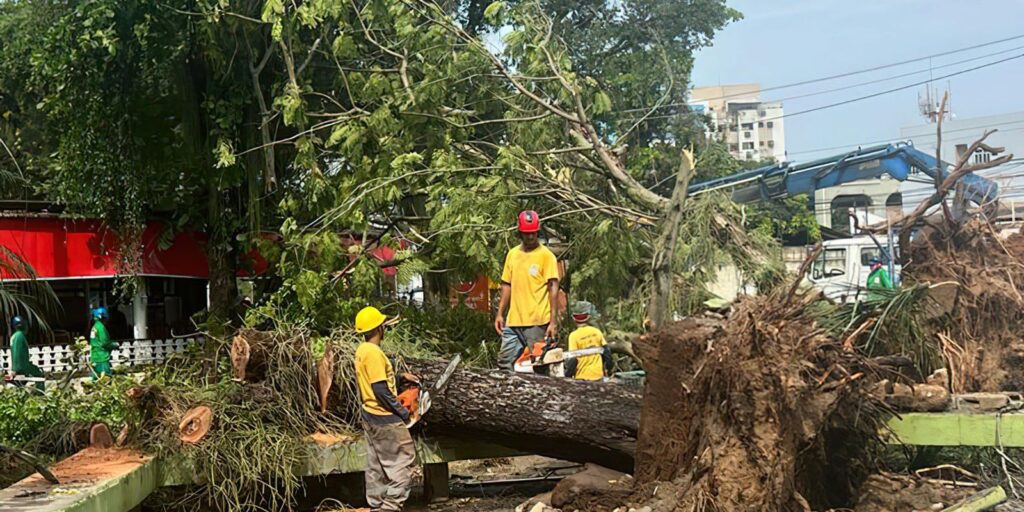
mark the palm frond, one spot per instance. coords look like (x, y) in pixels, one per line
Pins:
(22, 293)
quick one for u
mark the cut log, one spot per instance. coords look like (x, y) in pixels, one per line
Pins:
(561, 418)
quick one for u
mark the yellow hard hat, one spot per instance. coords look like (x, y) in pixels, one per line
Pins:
(368, 319)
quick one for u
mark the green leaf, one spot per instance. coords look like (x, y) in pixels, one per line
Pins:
(602, 103)
(225, 154)
(492, 11)
(272, 10)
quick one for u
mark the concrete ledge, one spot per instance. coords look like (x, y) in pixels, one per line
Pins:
(957, 429)
(121, 491)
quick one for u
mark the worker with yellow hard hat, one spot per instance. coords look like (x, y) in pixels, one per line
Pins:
(390, 453)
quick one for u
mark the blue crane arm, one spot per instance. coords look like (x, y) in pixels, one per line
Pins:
(786, 180)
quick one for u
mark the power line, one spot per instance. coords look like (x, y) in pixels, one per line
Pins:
(894, 89)
(849, 73)
(899, 139)
(885, 66)
(902, 75)
(873, 95)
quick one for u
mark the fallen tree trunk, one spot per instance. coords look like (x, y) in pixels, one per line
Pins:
(562, 418)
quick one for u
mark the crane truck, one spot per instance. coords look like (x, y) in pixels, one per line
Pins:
(842, 266)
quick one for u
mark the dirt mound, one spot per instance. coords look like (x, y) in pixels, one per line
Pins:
(977, 281)
(761, 411)
(885, 492)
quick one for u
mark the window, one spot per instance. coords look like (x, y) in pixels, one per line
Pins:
(746, 135)
(748, 145)
(874, 252)
(748, 126)
(760, 143)
(760, 124)
(841, 209)
(771, 124)
(771, 143)
(830, 263)
(982, 156)
(733, 147)
(750, 155)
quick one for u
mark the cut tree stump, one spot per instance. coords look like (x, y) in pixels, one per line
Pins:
(561, 418)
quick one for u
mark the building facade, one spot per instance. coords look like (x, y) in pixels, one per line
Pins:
(751, 129)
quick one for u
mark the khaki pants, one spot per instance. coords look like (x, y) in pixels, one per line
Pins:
(390, 455)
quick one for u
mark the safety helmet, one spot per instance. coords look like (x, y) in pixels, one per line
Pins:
(582, 310)
(529, 221)
(875, 261)
(17, 322)
(368, 319)
(100, 312)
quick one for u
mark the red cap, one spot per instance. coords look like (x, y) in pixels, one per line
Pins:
(529, 222)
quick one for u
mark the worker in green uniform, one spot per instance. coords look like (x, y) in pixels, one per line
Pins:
(20, 362)
(878, 279)
(100, 345)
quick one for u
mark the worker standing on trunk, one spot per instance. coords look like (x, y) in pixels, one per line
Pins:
(389, 449)
(100, 345)
(21, 364)
(591, 366)
(529, 289)
(878, 279)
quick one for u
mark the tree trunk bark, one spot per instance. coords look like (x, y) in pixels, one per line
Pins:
(659, 308)
(223, 257)
(561, 418)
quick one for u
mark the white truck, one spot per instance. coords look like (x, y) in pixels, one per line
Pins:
(841, 269)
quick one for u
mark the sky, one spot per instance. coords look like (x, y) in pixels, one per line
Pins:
(785, 41)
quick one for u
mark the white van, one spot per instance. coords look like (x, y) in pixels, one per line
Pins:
(841, 270)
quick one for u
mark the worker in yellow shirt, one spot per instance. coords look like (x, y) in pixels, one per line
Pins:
(529, 290)
(591, 366)
(390, 453)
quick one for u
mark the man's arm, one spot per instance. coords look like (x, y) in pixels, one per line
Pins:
(387, 399)
(886, 281)
(499, 320)
(552, 329)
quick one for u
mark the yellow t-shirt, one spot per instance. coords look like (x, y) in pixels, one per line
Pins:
(373, 366)
(589, 367)
(528, 273)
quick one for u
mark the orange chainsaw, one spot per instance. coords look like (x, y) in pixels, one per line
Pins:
(417, 400)
(531, 360)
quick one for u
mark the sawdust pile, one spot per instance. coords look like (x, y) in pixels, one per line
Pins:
(758, 411)
(978, 292)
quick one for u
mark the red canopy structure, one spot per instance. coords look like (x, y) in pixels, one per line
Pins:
(59, 248)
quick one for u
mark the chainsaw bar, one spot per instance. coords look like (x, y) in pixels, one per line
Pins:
(438, 388)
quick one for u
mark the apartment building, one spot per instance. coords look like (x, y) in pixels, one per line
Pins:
(752, 129)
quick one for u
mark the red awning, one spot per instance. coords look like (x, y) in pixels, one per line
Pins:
(67, 249)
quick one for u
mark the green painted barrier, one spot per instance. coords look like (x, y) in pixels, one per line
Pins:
(957, 429)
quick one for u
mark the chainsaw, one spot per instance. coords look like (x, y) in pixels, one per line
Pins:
(417, 400)
(547, 359)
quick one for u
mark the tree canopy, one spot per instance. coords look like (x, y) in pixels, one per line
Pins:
(400, 122)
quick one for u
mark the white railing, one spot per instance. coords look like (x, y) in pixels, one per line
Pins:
(58, 358)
